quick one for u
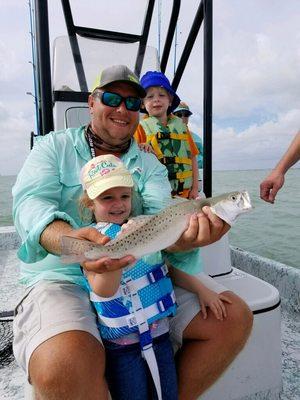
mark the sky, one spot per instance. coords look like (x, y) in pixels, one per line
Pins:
(256, 73)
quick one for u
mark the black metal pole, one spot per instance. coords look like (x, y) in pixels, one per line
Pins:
(170, 35)
(44, 69)
(144, 38)
(74, 45)
(207, 98)
(188, 46)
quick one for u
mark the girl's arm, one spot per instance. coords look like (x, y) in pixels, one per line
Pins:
(195, 185)
(105, 284)
(207, 297)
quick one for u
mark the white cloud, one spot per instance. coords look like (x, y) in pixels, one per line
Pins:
(259, 146)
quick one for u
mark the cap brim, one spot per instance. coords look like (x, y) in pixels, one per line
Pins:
(184, 110)
(139, 89)
(104, 184)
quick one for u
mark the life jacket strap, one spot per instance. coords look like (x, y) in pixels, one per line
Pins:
(176, 136)
(145, 339)
(134, 319)
(159, 272)
(175, 160)
(180, 175)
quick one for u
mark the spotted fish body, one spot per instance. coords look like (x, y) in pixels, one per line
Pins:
(155, 232)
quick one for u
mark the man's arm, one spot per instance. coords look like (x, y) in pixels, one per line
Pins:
(38, 214)
(51, 241)
(275, 180)
(203, 229)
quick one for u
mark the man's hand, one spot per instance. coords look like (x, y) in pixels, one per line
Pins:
(270, 186)
(104, 264)
(204, 228)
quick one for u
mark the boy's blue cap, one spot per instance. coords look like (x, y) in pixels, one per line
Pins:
(156, 78)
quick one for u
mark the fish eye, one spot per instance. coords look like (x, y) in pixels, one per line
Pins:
(233, 198)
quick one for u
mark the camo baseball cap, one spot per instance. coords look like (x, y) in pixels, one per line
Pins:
(119, 73)
(102, 173)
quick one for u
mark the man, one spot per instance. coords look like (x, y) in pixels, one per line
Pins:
(56, 338)
(183, 111)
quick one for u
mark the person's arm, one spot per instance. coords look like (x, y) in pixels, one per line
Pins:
(207, 297)
(105, 284)
(194, 192)
(204, 228)
(50, 240)
(275, 180)
(39, 217)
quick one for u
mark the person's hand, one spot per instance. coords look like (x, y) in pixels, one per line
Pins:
(215, 302)
(204, 228)
(194, 194)
(270, 186)
(104, 264)
(147, 148)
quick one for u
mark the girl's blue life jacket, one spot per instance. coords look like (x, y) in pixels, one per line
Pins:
(145, 295)
(145, 283)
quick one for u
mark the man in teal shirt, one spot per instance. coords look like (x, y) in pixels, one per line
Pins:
(56, 340)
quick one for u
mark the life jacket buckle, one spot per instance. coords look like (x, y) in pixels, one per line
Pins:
(157, 274)
(131, 321)
(125, 290)
(163, 135)
(166, 302)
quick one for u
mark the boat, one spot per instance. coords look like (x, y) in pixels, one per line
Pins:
(268, 365)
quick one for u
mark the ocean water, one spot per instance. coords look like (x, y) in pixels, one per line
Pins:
(272, 231)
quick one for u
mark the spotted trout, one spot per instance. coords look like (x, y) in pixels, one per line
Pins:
(152, 233)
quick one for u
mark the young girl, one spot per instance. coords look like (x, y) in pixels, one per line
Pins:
(168, 136)
(133, 304)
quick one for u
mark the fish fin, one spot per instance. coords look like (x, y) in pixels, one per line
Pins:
(73, 250)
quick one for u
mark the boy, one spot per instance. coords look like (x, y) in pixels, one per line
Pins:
(168, 136)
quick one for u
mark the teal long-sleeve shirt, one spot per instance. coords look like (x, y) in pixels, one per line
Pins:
(48, 188)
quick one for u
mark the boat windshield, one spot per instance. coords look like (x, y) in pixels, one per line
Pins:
(95, 55)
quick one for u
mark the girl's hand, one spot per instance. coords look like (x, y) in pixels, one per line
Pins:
(215, 302)
(147, 148)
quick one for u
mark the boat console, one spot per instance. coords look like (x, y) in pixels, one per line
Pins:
(257, 369)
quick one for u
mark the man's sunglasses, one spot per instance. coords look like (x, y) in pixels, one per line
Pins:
(114, 100)
(181, 114)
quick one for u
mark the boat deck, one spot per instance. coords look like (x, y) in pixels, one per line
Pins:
(12, 378)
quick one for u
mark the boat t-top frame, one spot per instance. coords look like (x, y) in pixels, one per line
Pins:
(45, 96)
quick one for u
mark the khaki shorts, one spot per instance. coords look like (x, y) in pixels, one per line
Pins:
(51, 308)
(188, 308)
(47, 309)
